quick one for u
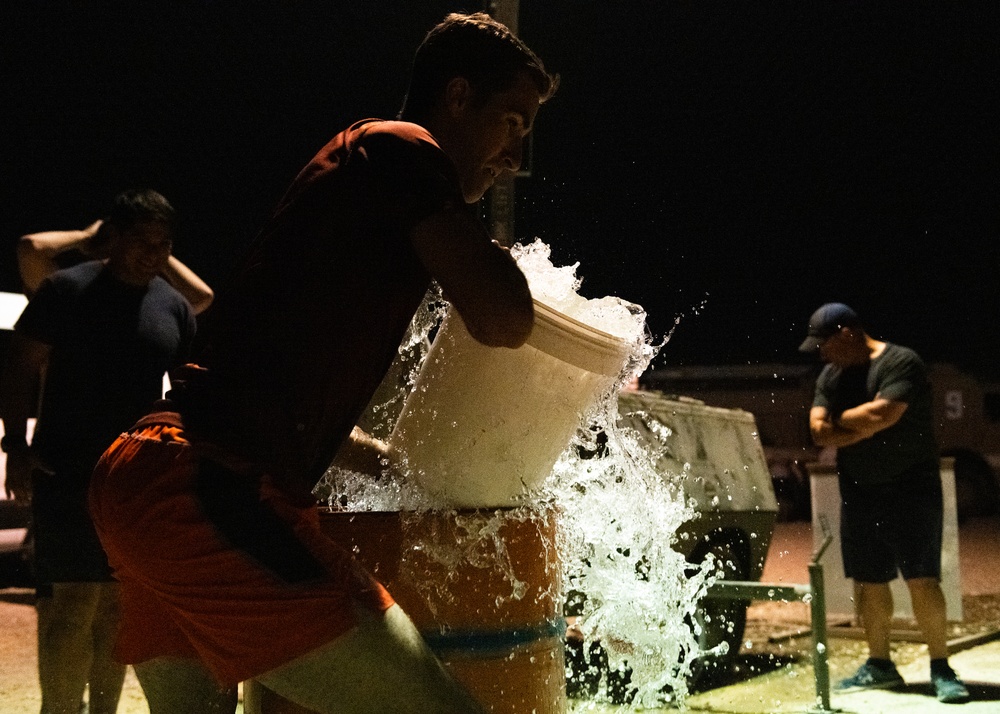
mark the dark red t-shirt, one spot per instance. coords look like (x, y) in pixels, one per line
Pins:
(295, 347)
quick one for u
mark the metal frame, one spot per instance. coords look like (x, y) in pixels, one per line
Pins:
(814, 594)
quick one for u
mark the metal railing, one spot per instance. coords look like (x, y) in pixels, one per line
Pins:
(813, 594)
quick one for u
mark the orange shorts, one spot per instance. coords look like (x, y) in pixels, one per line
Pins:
(187, 591)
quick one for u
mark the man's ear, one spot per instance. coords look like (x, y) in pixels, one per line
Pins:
(457, 95)
(110, 240)
(100, 244)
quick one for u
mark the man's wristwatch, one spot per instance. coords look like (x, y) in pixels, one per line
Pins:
(10, 445)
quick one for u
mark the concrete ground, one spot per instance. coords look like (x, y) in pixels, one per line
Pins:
(791, 688)
(773, 673)
(776, 676)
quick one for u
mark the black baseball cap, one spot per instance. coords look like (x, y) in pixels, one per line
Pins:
(827, 321)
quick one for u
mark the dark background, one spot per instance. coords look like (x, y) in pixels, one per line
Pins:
(729, 165)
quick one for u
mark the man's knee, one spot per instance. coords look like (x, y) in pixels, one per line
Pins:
(925, 589)
(178, 684)
(76, 595)
(71, 604)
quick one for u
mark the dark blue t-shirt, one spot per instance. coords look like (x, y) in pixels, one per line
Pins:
(898, 374)
(111, 344)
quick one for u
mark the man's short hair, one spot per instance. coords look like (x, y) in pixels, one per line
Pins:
(140, 206)
(481, 50)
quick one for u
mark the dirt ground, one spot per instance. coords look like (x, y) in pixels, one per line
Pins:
(772, 674)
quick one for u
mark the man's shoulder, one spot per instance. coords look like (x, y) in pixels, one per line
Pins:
(76, 276)
(827, 373)
(896, 355)
(66, 285)
(389, 130)
(166, 294)
(377, 144)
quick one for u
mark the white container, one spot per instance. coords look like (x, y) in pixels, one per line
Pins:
(484, 425)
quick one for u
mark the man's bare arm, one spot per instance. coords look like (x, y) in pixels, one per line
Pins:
(825, 433)
(362, 453)
(854, 424)
(478, 277)
(187, 283)
(872, 417)
(36, 254)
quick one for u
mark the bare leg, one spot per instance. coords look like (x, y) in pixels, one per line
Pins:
(65, 645)
(106, 675)
(874, 607)
(382, 665)
(930, 610)
(175, 684)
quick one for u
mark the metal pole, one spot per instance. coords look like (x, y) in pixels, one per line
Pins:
(501, 218)
(820, 656)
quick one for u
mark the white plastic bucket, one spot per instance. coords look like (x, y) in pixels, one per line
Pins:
(485, 425)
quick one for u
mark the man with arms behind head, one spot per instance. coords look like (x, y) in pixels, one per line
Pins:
(105, 332)
(225, 575)
(873, 403)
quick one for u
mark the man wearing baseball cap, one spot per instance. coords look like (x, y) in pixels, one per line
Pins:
(873, 403)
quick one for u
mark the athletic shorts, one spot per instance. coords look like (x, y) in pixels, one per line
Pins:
(892, 528)
(66, 546)
(217, 565)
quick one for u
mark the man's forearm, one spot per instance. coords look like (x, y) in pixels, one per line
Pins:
(871, 417)
(829, 434)
(187, 283)
(36, 252)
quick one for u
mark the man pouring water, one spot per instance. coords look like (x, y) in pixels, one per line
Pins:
(206, 507)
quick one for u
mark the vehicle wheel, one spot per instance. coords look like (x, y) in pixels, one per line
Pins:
(720, 621)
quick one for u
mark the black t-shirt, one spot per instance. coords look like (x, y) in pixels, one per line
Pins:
(898, 374)
(111, 344)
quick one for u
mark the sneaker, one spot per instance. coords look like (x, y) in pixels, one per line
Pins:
(871, 676)
(950, 689)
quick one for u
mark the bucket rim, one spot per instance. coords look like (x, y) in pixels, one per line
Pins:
(551, 314)
(577, 343)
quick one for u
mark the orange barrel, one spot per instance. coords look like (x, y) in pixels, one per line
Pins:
(506, 650)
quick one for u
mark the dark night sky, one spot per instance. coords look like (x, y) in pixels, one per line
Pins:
(731, 163)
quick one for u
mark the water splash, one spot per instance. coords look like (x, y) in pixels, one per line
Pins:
(620, 518)
(618, 515)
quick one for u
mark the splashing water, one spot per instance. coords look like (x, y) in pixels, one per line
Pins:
(618, 516)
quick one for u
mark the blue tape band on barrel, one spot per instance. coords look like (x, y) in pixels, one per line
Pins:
(482, 641)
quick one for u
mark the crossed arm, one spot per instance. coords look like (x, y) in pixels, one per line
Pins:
(854, 424)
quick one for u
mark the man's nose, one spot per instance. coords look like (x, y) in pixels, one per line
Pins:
(513, 155)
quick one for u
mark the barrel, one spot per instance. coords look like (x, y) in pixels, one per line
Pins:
(506, 650)
(484, 425)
